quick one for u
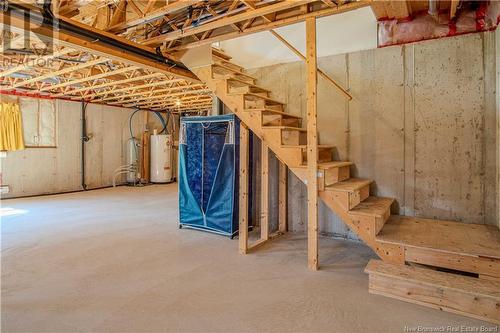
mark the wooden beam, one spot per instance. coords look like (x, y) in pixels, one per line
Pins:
(188, 31)
(275, 24)
(148, 99)
(282, 196)
(154, 15)
(90, 78)
(95, 46)
(142, 93)
(312, 145)
(243, 189)
(60, 72)
(25, 65)
(119, 14)
(117, 82)
(264, 189)
(135, 8)
(169, 101)
(147, 85)
(301, 56)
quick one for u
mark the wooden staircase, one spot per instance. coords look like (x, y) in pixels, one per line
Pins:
(435, 246)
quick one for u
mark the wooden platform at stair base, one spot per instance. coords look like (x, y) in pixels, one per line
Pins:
(464, 295)
(473, 248)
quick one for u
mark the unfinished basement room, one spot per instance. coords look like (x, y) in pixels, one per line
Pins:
(250, 166)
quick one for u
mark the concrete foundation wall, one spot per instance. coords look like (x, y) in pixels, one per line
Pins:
(423, 124)
(36, 171)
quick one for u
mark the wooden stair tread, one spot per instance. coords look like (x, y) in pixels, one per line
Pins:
(435, 278)
(445, 236)
(221, 54)
(328, 165)
(288, 128)
(372, 206)
(243, 83)
(273, 112)
(232, 71)
(257, 96)
(349, 185)
(305, 146)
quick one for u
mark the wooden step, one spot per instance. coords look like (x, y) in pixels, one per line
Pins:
(447, 236)
(330, 165)
(271, 111)
(373, 206)
(255, 97)
(221, 54)
(221, 61)
(256, 101)
(290, 135)
(454, 293)
(268, 119)
(325, 153)
(228, 72)
(331, 172)
(241, 83)
(473, 248)
(350, 185)
(349, 193)
(371, 214)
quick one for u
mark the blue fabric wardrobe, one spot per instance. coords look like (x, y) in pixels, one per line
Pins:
(208, 173)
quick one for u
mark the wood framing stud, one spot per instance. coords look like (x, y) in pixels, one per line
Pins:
(283, 188)
(243, 189)
(312, 145)
(264, 206)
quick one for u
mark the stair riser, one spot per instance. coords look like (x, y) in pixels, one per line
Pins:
(228, 64)
(479, 265)
(279, 120)
(246, 89)
(371, 224)
(293, 138)
(220, 76)
(388, 252)
(475, 306)
(324, 155)
(261, 104)
(349, 200)
(335, 175)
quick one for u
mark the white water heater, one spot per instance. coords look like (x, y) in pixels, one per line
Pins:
(161, 158)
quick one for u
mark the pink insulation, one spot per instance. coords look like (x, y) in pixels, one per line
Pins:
(422, 26)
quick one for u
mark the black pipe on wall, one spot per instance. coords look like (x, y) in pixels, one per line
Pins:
(46, 18)
(84, 139)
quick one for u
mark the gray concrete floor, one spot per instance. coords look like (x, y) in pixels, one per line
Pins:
(114, 260)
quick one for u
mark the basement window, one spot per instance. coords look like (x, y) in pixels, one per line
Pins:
(39, 122)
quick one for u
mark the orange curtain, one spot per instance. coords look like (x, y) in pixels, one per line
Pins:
(11, 127)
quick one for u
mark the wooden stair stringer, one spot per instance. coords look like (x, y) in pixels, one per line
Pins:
(364, 218)
(272, 136)
(392, 253)
(388, 252)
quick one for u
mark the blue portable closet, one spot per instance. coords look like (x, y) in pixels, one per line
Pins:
(208, 173)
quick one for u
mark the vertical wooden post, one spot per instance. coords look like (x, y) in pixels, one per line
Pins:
(282, 197)
(243, 190)
(264, 215)
(312, 146)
